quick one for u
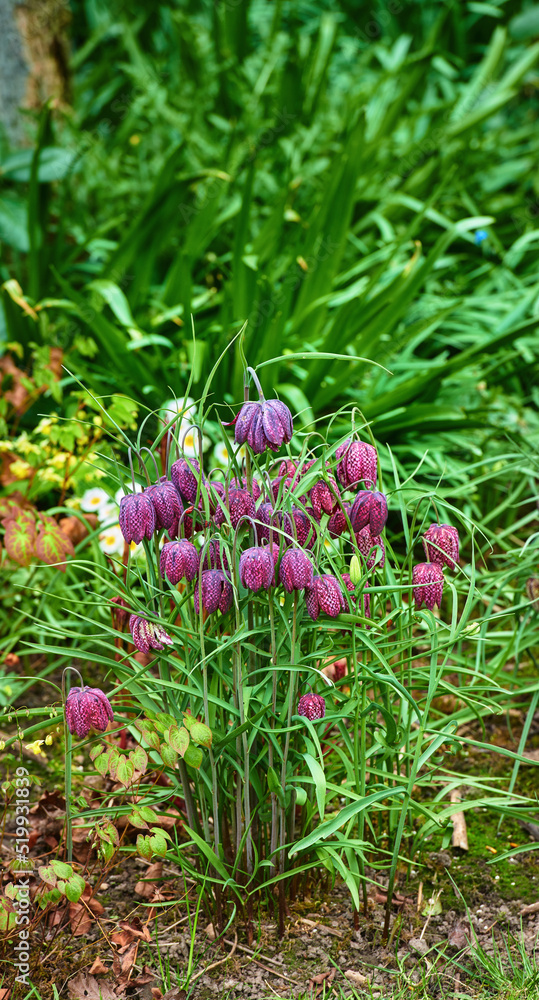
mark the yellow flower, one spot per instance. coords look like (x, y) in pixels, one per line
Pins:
(45, 425)
(24, 446)
(36, 746)
(48, 740)
(59, 460)
(6, 445)
(2, 745)
(20, 469)
(50, 476)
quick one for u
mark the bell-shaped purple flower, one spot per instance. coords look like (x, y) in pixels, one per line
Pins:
(325, 596)
(166, 501)
(217, 593)
(441, 544)
(137, 517)
(428, 582)
(215, 557)
(298, 527)
(371, 547)
(179, 561)
(264, 519)
(241, 484)
(289, 488)
(257, 568)
(264, 424)
(147, 635)
(324, 497)
(312, 706)
(185, 474)
(358, 462)
(86, 709)
(296, 570)
(240, 503)
(369, 509)
(337, 523)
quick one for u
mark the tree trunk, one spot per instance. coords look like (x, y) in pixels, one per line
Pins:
(33, 61)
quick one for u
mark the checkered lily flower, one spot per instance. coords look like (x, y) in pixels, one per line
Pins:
(428, 582)
(358, 462)
(325, 596)
(257, 568)
(86, 709)
(147, 635)
(296, 570)
(369, 509)
(217, 593)
(312, 706)
(166, 501)
(137, 517)
(179, 560)
(441, 544)
(264, 424)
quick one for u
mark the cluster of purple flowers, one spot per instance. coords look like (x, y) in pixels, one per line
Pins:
(286, 516)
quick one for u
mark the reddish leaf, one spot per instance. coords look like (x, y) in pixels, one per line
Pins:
(52, 545)
(20, 539)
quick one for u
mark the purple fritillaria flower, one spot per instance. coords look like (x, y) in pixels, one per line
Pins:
(366, 543)
(147, 635)
(296, 570)
(217, 593)
(240, 504)
(257, 568)
(185, 474)
(428, 582)
(358, 462)
(312, 706)
(86, 709)
(137, 517)
(179, 560)
(263, 424)
(325, 596)
(166, 501)
(441, 544)
(369, 509)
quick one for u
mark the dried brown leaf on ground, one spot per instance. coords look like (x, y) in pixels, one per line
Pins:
(86, 987)
(320, 984)
(146, 887)
(99, 968)
(459, 935)
(356, 978)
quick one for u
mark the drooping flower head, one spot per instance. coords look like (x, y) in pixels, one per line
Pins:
(358, 462)
(371, 547)
(441, 544)
(86, 709)
(265, 518)
(179, 560)
(147, 635)
(185, 474)
(257, 568)
(240, 504)
(296, 570)
(337, 523)
(215, 556)
(264, 424)
(217, 593)
(312, 706)
(297, 526)
(325, 596)
(369, 509)
(166, 501)
(137, 517)
(428, 582)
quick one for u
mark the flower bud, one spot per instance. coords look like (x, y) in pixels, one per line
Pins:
(87, 708)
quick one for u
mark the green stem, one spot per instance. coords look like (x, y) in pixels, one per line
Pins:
(291, 703)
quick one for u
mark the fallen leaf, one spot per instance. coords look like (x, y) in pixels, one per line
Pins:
(86, 987)
(98, 969)
(356, 978)
(146, 887)
(80, 919)
(321, 981)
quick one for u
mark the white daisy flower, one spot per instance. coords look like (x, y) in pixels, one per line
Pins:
(111, 541)
(93, 499)
(189, 443)
(185, 406)
(107, 512)
(225, 450)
